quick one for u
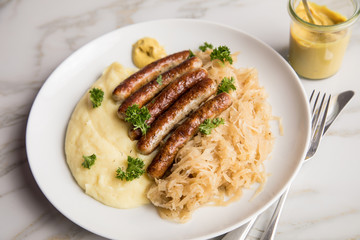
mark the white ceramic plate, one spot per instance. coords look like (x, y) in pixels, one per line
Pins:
(62, 90)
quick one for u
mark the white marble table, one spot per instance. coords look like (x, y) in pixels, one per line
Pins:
(37, 35)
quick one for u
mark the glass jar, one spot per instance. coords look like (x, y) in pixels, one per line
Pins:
(316, 51)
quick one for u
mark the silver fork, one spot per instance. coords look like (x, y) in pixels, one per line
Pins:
(319, 113)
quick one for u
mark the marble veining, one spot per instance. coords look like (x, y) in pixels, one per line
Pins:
(37, 35)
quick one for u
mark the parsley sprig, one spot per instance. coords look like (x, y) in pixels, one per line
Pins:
(137, 117)
(134, 169)
(206, 46)
(88, 161)
(191, 54)
(208, 125)
(221, 53)
(96, 97)
(226, 85)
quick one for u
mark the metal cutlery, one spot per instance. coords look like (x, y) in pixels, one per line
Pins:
(319, 114)
(337, 104)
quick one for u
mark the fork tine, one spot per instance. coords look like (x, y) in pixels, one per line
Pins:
(318, 128)
(323, 121)
(316, 112)
(312, 94)
(315, 103)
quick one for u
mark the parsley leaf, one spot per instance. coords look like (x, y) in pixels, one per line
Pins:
(191, 54)
(206, 46)
(137, 117)
(221, 53)
(134, 169)
(226, 85)
(88, 161)
(96, 97)
(159, 80)
(208, 125)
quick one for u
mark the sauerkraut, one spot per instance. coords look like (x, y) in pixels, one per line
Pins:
(213, 169)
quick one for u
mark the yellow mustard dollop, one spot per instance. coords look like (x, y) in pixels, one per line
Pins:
(313, 53)
(146, 50)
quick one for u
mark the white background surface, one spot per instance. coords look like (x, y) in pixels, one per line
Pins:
(36, 36)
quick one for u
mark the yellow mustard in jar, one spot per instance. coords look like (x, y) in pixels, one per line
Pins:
(317, 53)
(146, 50)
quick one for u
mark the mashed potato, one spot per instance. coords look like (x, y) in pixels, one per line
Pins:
(99, 131)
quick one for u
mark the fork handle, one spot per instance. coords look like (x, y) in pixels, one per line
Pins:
(270, 230)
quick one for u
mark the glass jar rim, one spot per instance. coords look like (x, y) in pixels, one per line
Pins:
(336, 27)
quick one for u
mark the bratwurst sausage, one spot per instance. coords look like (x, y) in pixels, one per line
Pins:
(146, 74)
(181, 108)
(148, 91)
(185, 132)
(169, 95)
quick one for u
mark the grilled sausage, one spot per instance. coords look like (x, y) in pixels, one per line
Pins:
(185, 132)
(146, 74)
(169, 95)
(148, 91)
(181, 108)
